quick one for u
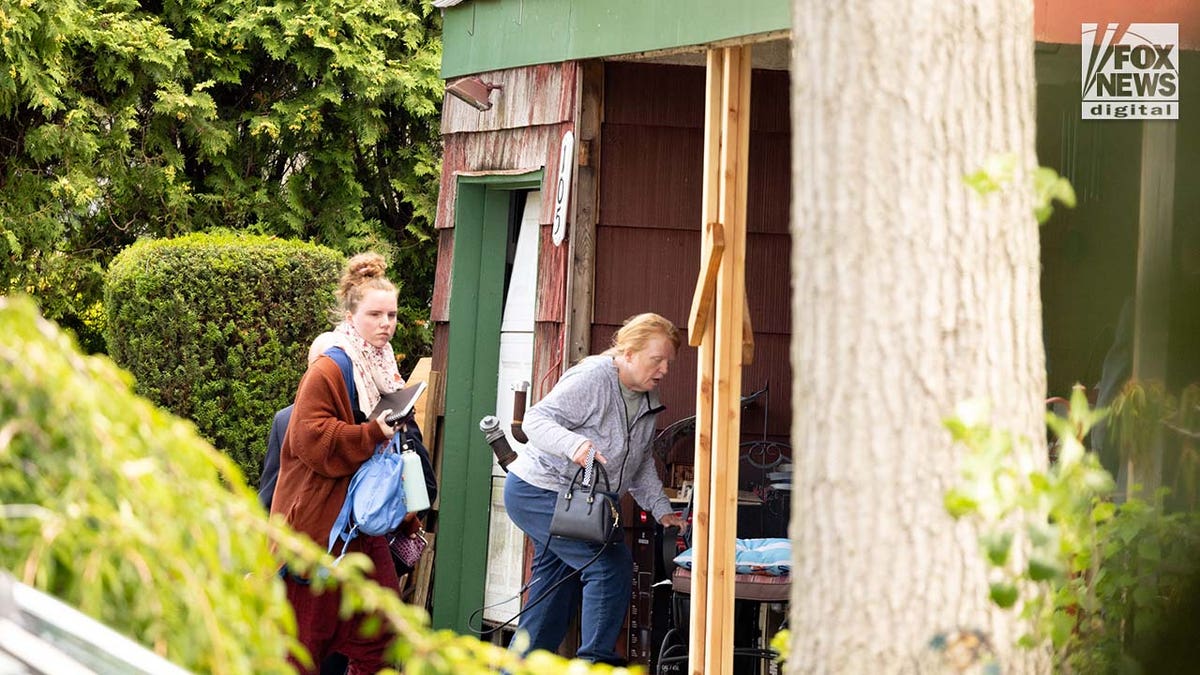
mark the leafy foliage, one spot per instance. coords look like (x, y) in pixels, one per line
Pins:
(1035, 522)
(216, 328)
(126, 118)
(1095, 578)
(1048, 187)
(1145, 559)
(120, 509)
(1144, 416)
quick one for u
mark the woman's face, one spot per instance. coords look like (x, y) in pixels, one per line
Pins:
(643, 370)
(375, 317)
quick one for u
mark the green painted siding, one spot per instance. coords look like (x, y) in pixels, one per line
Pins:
(481, 35)
(476, 302)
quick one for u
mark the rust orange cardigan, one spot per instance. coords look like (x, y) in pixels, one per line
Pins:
(322, 449)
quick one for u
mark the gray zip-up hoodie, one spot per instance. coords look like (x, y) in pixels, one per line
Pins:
(586, 404)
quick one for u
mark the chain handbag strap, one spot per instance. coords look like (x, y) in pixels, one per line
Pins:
(588, 467)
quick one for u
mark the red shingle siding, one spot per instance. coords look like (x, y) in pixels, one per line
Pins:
(647, 237)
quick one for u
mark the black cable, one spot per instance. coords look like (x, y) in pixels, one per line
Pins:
(481, 631)
(545, 549)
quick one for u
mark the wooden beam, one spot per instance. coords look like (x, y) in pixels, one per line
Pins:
(423, 574)
(586, 204)
(425, 410)
(730, 303)
(712, 245)
(702, 462)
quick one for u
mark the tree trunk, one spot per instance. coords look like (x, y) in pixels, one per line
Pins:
(912, 293)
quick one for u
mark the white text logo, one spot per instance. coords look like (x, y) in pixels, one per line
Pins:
(1130, 71)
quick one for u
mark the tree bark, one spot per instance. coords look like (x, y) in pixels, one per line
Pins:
(912, 293)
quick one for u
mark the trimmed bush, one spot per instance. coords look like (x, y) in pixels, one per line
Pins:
(216, 328)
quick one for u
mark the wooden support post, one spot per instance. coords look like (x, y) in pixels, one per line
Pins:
(425, 411)
(727, 129)
(702, 464)
(731, 293)
(587, 208)
(415, 589)
(423, 574)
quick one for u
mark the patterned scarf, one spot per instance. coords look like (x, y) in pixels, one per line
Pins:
(375, 370)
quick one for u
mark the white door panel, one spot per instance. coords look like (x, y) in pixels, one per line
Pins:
(506, 543)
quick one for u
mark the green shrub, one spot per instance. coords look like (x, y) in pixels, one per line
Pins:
(216, 328)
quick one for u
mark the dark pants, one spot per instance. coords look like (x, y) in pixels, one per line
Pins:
(322, 632)
(563, 575)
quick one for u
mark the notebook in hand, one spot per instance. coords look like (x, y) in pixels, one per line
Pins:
(401, 402)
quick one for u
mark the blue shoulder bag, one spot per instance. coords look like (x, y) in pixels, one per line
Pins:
(375, 499)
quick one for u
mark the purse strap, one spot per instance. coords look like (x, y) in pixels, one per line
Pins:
(392, 444)
(588, 466)
(590, 470)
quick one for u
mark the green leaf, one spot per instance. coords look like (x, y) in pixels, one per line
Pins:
(1048, 187)
(1150, 550)
(997, 546)
(996, 172)
(958, 430)
(1103, 511)
(14, 244)
(1042, 535)
(1144, 595)
(959, 504)
(1061, 627)
(1003, 593)
(1042, 567)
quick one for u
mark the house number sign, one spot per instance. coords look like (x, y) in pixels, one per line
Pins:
(562, 189)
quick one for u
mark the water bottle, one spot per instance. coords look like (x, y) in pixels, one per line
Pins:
(416, 497)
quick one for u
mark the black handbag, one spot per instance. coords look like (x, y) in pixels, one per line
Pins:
(584, 512)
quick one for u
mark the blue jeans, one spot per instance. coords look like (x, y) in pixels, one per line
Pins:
(605, 584)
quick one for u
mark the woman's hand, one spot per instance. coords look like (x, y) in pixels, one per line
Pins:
(388, 430)
(672, 520)
(581, 454)
(410, 525)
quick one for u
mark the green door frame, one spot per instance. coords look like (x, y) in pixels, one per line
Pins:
(481, 216)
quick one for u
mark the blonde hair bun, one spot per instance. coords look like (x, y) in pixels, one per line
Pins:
(364, 271)
(365, 266)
